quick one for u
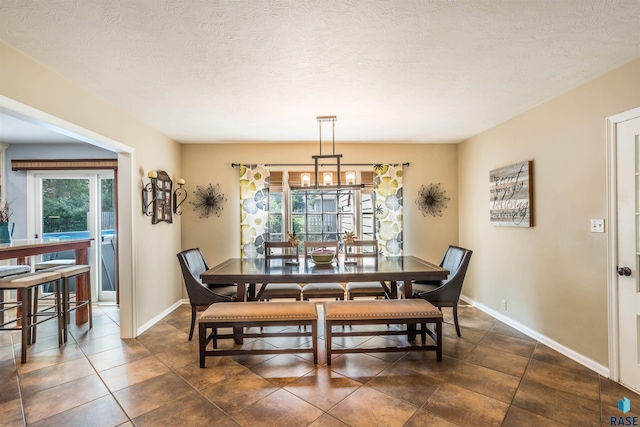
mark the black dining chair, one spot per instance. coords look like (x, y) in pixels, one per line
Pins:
(201, 295)
(446, 293)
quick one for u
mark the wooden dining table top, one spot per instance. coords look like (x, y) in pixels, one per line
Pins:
(392, 269)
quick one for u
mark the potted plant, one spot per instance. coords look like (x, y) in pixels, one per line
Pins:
(5, 214)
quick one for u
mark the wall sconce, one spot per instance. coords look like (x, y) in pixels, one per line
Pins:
(328, 178)
(351, 178)
(179, 196)
(306, 179)
(149, 190)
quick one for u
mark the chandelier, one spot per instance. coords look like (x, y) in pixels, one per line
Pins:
(327, 180)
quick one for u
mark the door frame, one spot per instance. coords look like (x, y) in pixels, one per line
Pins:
(612, 241)
(127, 191)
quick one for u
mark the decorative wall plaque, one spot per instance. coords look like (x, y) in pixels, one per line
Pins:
(511, 195)
(162, 198)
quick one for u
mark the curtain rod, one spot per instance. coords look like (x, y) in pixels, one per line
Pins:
(323, 164)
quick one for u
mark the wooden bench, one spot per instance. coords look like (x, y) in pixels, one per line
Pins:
(405, 311)
(257, 314)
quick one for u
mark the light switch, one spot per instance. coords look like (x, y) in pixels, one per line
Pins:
(597, 225)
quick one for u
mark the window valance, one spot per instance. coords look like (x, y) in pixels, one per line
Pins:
(68, 164)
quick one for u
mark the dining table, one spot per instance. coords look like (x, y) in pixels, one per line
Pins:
(22, 249)
(247, 273)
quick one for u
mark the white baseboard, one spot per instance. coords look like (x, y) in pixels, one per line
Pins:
(571, 354)
(159, 317)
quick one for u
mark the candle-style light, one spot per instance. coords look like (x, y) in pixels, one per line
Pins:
(148, 190)
(179, 196)
(306, 179)
(351, 178)
(328, 178)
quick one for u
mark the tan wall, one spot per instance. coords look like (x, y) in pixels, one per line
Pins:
(219, 238)
(158, 280)
(553, 275)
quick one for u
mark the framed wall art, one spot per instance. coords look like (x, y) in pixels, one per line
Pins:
(159, 190)
(511, 195)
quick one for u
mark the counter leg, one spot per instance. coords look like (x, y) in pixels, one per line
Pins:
(82, 293)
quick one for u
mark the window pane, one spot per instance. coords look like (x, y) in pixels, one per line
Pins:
(345, 201)
(275, 227)
(275, 202)
(65, 205)
(314, 224)
(298, 224)
(330, 224)
(314, 202)
(329, 202)
(298, 203)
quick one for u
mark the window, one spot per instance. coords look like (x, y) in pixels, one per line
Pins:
(319, 215)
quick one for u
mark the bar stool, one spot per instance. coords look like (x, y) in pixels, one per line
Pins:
(66, 273)
(12, 270)
(25, 283)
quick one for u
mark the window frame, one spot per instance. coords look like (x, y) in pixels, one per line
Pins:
(357, 211)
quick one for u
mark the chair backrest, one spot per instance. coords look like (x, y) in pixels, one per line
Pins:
(456, 260)
(361, 249)
(280, 250)
(193, 265)
(327, 244)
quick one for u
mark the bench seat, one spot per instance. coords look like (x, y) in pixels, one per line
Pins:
(406, 311)
(257, 314)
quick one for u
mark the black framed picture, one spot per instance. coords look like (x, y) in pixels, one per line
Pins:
(162, 186)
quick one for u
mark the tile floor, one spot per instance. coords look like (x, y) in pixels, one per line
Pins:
(492, 376)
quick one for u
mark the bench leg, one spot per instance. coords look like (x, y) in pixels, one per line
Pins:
(202, 329)
(314, 337)
(327, 340)
(439, 339)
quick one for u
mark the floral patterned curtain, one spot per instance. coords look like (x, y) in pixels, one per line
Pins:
(387, 182)
(254, 209)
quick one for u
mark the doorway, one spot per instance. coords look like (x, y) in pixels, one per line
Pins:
(127, 188)
(624, 248)
(79, 204)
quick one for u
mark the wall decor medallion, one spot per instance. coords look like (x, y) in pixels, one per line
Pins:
(431, 200)
(208, 200)
(511, 195)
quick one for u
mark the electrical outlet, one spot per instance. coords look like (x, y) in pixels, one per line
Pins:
(504, 304)
(597, 225)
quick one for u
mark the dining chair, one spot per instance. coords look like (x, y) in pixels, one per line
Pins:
(321, 290)
(446, 293)
(201, 295)
(283, 251)
(353, 252)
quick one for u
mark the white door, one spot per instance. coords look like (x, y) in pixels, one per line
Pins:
(78, 204)
(628, 249)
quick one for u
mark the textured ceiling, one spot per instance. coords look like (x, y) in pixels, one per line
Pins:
(391, 70)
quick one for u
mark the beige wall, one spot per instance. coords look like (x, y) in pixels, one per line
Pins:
(157, 280)
(553, 275)
(219, 238)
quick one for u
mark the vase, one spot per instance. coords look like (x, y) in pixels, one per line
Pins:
(6, 231)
